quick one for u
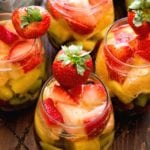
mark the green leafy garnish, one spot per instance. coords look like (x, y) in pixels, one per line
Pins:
(75, 55)
(33, 15)
(141, 9)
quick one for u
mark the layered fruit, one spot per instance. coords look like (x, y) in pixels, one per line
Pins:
(80, 22)
(123, 63)
(22, 68)
(76, 118)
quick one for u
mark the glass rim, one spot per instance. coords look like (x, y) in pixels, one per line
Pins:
(7, 16)
(123, 20)
(51, 79)
(93, 9)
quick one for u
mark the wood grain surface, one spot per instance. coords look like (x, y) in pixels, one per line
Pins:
(17, 129)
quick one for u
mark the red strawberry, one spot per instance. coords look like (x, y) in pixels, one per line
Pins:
(58, 94)
(50, 112)
(31, 21)
(96, 120)
(24, 54)
(115, 56)
(7, 36)
(137, 21)
(90, 95)
(72, 66)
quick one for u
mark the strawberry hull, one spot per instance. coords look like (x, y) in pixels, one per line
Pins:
(125, 59)
(22, 68)
(77, 21)
(77, 123)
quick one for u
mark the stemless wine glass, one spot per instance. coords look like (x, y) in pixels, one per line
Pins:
(123, 63)
(22, 67)
(80, 22)
(62, 124)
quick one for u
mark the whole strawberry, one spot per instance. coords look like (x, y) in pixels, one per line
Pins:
(72, 66)
(31, 21)
(139, 17)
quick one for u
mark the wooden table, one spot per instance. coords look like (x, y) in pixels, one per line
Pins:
(16, 129)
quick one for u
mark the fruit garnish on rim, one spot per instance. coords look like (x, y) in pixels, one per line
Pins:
(72, 66)
(31, 21)
(139, 17)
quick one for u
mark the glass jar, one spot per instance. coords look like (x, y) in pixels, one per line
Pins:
(123, 64)
(22, 67)
(79, 22)
(62, 124)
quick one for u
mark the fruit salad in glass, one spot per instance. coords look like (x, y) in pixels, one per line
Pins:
(74, 115)
(123, 63)
(79, 21)
(22, 66)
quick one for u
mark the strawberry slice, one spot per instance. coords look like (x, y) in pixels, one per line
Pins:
(24, 53)
(89, 95)
(119, 54)
(81, 27)
(52, 9)
(7, 36)
(73, 117)
(54, 115)
(20, 50)
(58, 94)
(95, 121)
(142, 48)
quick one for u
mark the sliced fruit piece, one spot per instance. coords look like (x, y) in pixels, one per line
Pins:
(100, 65)
(54, 114)
(120, 54)
(20, 50)
(92, 144)
(89, 95)
(81, 27)
(106, 140)
(96, 120)
(110, 125)
(42, 130)
(73, 119)
(46, 146)
(59, 32)
(4, 77)
(88, 45)
(6, 93)
(23, 84)
(36, 86)
(7, 36)
(142, 100)
(52, 8)
(143, 48)
(16, 72)
(59, 94)
(137, 82)
(119, 91)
